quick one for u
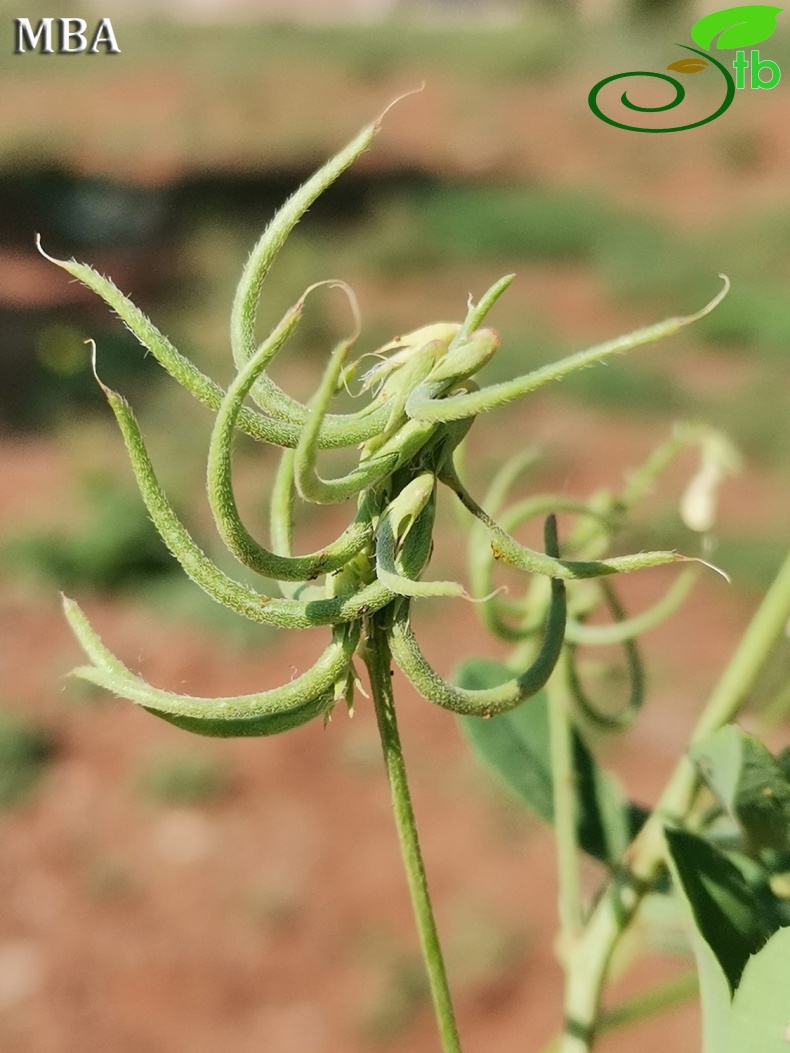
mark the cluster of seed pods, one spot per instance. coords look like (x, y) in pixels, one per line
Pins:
(422, 400)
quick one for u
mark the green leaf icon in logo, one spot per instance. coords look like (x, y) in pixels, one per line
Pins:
(737, 27)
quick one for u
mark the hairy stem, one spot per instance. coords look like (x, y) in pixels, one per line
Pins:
(616, 907)
(377, 659)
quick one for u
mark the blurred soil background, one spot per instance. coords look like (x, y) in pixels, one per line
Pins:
(164, 893)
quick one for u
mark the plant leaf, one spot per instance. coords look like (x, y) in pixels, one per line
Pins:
(736, 27)
(726, 915)
(760, 1014)
(515, 746)
(688, 65)
(757, 1015)
(714, 988)
(749, 783)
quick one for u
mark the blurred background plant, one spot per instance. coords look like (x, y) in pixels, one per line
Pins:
(185, 778)
(26, 749)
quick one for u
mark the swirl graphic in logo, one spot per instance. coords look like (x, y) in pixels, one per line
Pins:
(682, 66)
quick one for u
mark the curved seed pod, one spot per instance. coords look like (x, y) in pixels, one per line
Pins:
(355, 429)
(443, 444)
(281, 521)
(336, 430)
(433, 340)
(441, 361)
(262, 713)
(623, 718)
(245, 303)
(481, 564)
(281, 506)
(423, 403)
(476, 312)
(412, 438)
(309, 484)
(285, 613)
(489, 701)
(281, 526)
(479, 551)
(274, 724)
(462, 361)
(394, 528)
(414, 370)
(180, 368)
(223, 502)
(507, 548)
(415, 551)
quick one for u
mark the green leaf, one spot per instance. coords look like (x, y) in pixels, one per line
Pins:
(736, 27)
(783, 760)
(749, 783)
(726, 915)
(760, 1016)
(755, 1018)
(714, 988)
(516, 747)
(715, 995)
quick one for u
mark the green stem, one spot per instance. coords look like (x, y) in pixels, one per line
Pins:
(658, 999)
(665, 996)
(377, 659)
(775, 713)
(565, 818)
(615, 909)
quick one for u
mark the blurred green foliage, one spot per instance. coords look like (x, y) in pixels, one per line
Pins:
(118, 547)
(402, 989)
(26, 749)
(192, 778)
(473, 223)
